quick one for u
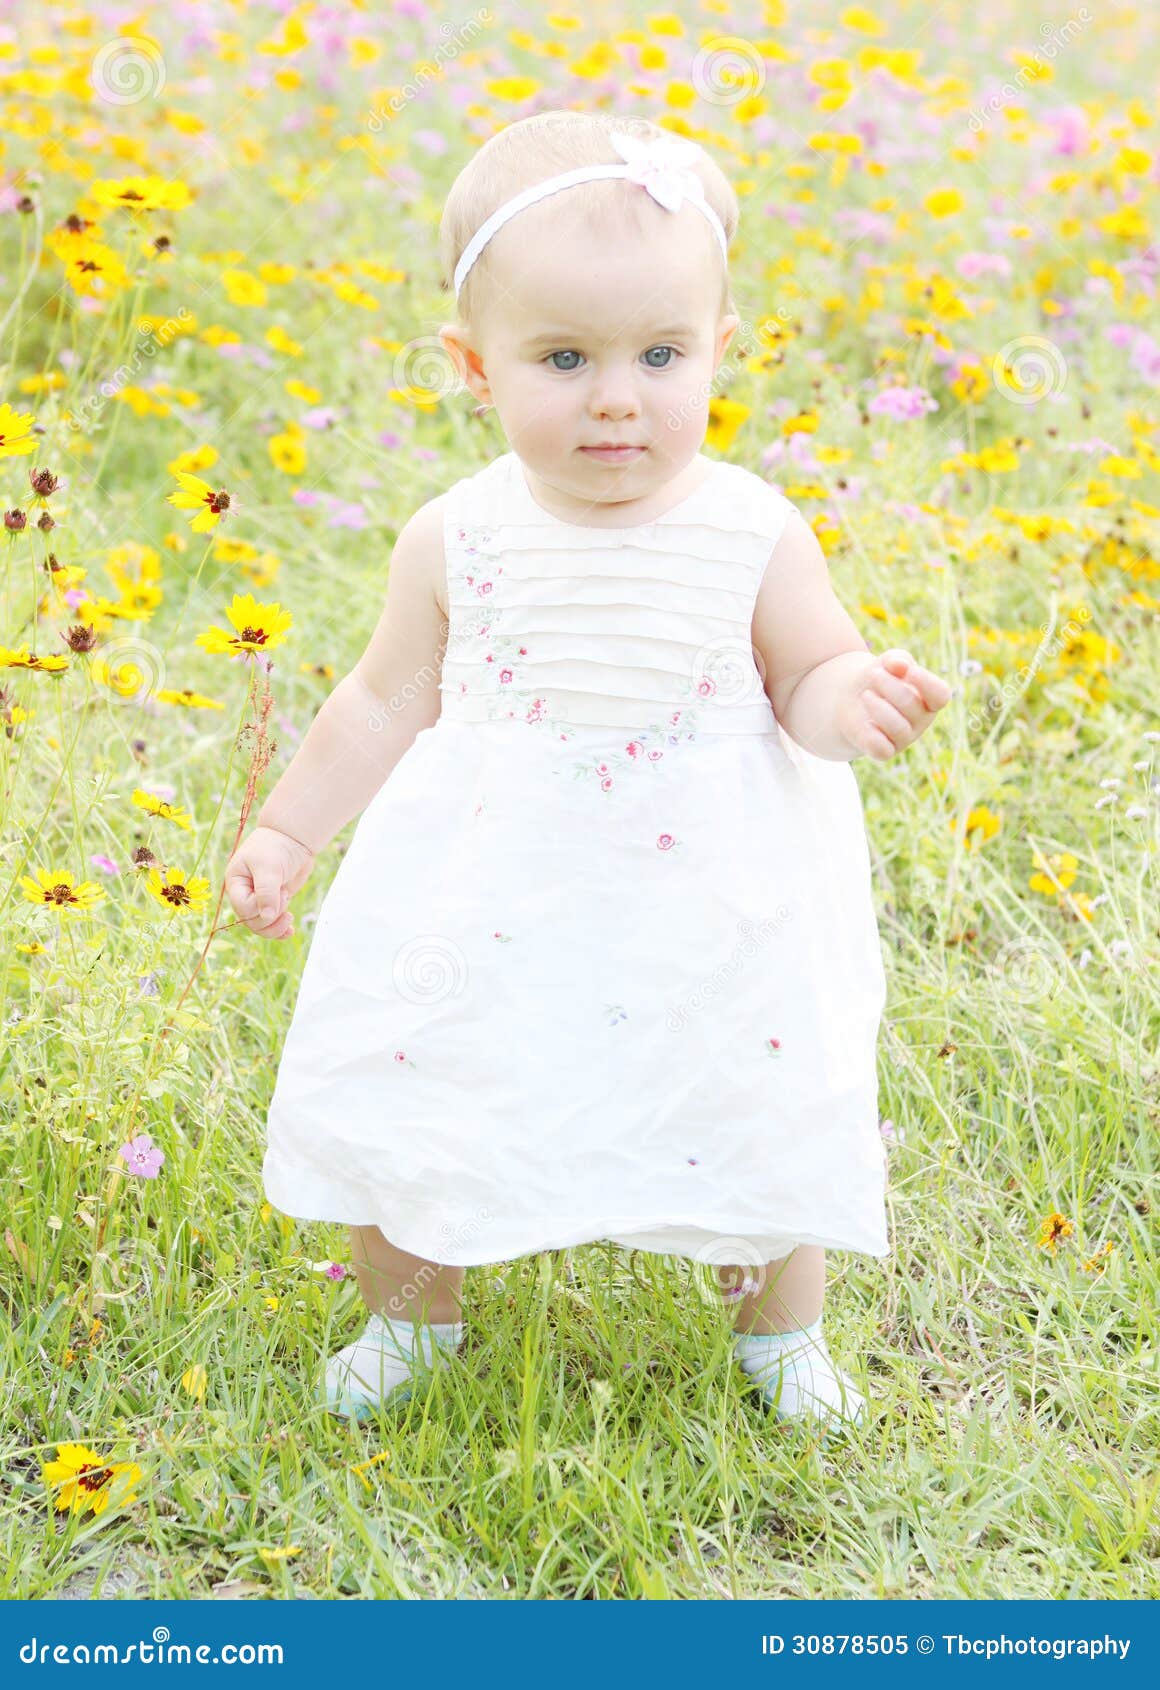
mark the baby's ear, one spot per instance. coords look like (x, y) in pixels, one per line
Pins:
(725, 332)
(465, 360)
(448, 340)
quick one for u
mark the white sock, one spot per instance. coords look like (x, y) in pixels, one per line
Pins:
(390, 1353)
(797, 1377)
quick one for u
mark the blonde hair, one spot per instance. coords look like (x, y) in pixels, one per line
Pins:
(545, 144)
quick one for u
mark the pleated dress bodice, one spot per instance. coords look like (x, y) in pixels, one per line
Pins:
(579, 627)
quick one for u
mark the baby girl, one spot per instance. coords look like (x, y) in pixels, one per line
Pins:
(601, 959)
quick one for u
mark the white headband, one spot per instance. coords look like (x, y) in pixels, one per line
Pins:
(660, 165)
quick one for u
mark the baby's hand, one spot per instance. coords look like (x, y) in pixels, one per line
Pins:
(894, 701)
(262, 876)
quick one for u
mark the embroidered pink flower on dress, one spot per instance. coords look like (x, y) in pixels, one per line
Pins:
(605, 769)
(665, 842)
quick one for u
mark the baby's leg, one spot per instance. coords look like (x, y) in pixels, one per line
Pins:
(779, 1340)
(401, 1286)
(781, 1296)
(415, 1308)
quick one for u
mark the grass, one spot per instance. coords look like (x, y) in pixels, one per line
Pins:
(596, 1440)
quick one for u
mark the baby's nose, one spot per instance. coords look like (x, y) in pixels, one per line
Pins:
(615, 395)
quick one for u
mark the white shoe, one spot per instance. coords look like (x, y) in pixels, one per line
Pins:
(383, 1363)
(798, 1379)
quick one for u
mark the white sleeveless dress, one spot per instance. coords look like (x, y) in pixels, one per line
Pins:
(601, 960)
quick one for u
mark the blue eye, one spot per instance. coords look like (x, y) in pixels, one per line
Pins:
(568, 369)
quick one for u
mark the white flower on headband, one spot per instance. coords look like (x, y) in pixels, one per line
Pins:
(661, 165)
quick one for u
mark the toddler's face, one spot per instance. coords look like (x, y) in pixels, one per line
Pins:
(585, 341)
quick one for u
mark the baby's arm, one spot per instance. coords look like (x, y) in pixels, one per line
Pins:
(828, 690)
(375, 712)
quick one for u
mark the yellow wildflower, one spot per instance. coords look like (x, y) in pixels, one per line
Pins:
(1060, 873)
(982, 824)
(23, 659)
(186, 696)
(243, 288)
(170, 887)
(83, 1481)
(141, 193)
(56, 889)
(257, 627)
(287, 453)
(16, 434)
(277, 337)
(194, 1380)
(1052, 1228)
(197, 495)
(943, 202)
(192, 459)
(158, 807)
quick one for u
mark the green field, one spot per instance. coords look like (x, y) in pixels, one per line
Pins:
(218, 258)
